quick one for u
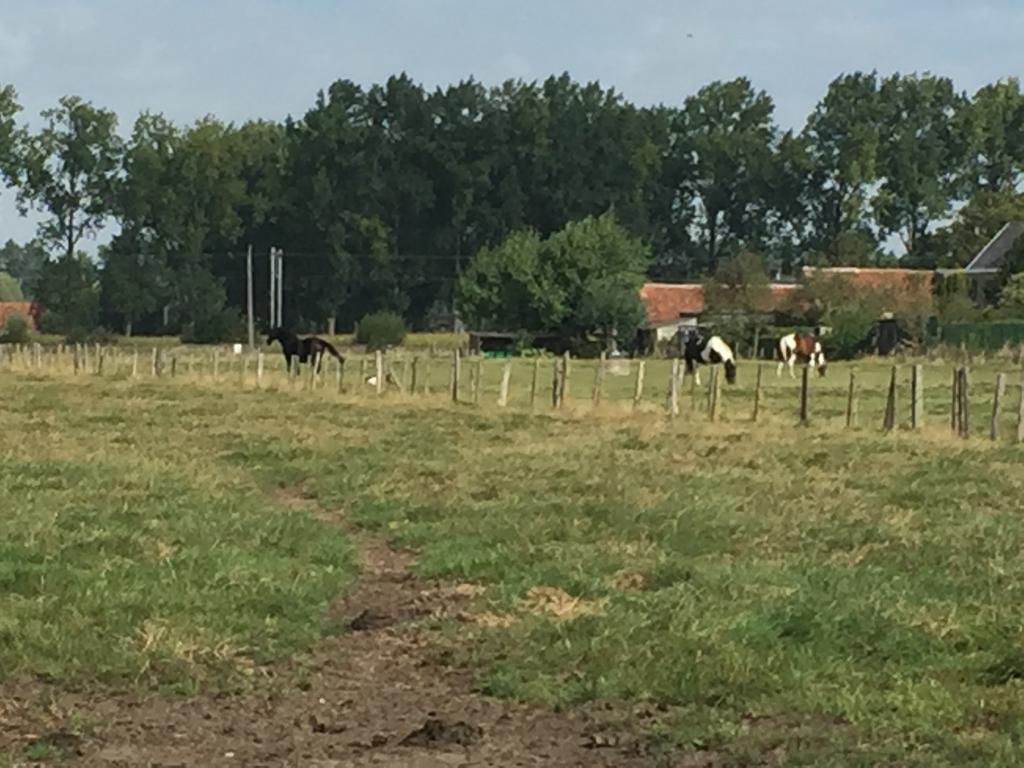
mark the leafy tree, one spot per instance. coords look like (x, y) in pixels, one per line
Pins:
(1011, 297)
(577, 281)
(842, 138)
(68, 171)
(992, 124)
(724, 136)
(9, 133)
(10, 289)
(977, 222)
(919, 155)
(23, 263)
(740, 284)
(68, 290)
(380, 330)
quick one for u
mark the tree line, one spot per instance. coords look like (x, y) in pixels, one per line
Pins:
(382, 197)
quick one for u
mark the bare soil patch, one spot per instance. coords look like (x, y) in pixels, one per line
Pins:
(381, 692)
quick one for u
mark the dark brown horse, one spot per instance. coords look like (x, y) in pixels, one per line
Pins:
(309, 349)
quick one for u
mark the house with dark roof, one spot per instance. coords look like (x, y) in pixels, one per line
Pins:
(989, 259)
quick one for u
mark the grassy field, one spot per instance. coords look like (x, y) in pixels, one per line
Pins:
(844, 595)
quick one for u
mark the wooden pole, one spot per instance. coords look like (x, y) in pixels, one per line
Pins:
(757, 390)
(153, 365)
(413, 375)
(805, 413)
(996, 403)
(534, 382)
(76, 361)
(378, 367)
(673, 389)
(250, 313)
(716, 393)
(954, 406)
(1020, 413)
(889, 421)
(916, 397)
(474, 381)
(259, 370)
(313, 364)
(174, 366)
(638, 387)
(965, 403)
(426, 375)
(563, 393)
(851, 402)
(598, 380)
(135, 364)
(456, 371)
(216, 364)
(556, 383)
(506, 374)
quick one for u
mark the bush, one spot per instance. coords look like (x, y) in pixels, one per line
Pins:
(219, 326)
(380, 330)
(15, 330)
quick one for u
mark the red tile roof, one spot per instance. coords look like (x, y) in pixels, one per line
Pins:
(665, 303)
(905, 287)
(27, 309)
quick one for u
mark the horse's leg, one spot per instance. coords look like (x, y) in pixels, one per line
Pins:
(792, 365)
(696, 375)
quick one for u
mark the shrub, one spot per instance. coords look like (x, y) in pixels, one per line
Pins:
(15, 330)
(217, 326)
(380, 330)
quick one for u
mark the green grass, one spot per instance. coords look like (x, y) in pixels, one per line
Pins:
(844, 596)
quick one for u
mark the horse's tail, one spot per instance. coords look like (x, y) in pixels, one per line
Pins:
(330, 348)
(730, 371)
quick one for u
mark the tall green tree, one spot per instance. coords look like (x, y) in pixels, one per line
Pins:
(993, 127)
(9, 132)
(68, 289)
(23, 263)
(68, 171)
(920, 153)
(842, 137)
(724, 135)
(585, 278)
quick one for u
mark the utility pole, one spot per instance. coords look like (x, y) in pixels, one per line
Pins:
(272, 317)
(249, 298)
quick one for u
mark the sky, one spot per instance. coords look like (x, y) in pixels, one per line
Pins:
(241, 59)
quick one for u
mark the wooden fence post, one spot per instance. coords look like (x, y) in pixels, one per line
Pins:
(426, 374)
(563, 393)
(506, 374)
(638, 387)
(314, 363)
(954, 406)
(413, 374)
(997, 397)
(1020, 413)
(534, 382)
(85, 358)
(75, 361)
(965, 403)
(259, 370)
(556, 383)
(851, 402)
(716, 393)
(916, 397)
(889, 421)
(757, 390)
(474, 381)
(673, 389)
(456, 370)
(598, 380)
(174, 365)
(378, 367)
(805, 414)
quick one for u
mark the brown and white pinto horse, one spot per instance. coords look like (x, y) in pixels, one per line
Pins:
(800, 347)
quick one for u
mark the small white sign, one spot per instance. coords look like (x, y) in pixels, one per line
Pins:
(238, 349)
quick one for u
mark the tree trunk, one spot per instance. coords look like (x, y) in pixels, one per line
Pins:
(128, 328)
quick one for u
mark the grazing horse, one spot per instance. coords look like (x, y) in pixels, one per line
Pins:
(311, 348)
(806, 349)
(698, 350)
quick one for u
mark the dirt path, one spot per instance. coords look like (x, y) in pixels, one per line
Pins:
(382, 693)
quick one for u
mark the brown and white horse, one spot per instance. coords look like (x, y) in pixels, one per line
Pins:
(698, 350)
(796, 347)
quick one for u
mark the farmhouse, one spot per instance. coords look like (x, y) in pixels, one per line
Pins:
(30, 310)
